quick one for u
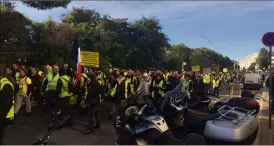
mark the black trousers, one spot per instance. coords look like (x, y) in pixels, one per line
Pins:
(65, 108)
(93, 116)
(216, 92)
(37, 96)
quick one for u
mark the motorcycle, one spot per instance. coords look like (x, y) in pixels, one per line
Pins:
(240, 124)
(143, 126)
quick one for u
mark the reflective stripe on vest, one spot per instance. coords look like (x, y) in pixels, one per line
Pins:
(131, 82)
(52, 81)
(161, 92)
(17, 77)
(113, 91)
(3, 82)
(126, 85)
(64, 90)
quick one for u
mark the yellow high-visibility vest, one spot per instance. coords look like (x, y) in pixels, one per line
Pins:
(64, 90)
(52, 81)
(17, 77)
(131, 82)
(161, 92)
(40, 73)
(186, 84)
(206, 79)
(113, 91)
(3, 82)
(216, 83)
(23, 85)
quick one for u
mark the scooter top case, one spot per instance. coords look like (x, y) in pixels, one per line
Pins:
(234, 126)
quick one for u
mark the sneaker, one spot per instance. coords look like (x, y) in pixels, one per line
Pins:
(88, 131)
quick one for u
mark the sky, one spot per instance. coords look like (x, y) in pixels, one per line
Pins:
(233, 28)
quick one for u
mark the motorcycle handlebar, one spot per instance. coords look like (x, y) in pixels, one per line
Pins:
(178, 108)
(140, 112)
(43, 141)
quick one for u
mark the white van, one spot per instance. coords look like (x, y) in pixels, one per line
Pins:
(252, 81)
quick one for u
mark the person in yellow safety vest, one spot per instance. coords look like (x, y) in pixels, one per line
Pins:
(16, 72)
(93, 99)
(157, 88)
(216, 85)
(82, 91)
(206, 80)
(187, 83)
(6, 104)
(50, 83)
(100, 78)
(132, 80)
(40, 73)
(64, 94)
(16, 76)
(122, 92)
(112, 94)
(24, 92)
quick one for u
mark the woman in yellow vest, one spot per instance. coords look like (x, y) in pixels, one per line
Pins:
(23, 93)
(7, 108)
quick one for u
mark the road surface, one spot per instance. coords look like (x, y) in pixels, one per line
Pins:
(27, 129)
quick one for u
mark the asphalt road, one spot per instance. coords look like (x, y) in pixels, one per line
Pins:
(27, 129)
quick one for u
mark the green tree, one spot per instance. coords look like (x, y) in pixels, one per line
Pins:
(263, 59)
(43, 5)
(252, 66)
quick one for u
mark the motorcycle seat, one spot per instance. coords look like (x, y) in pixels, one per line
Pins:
(195, 117)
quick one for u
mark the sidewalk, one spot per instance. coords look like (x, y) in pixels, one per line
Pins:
(265, 135)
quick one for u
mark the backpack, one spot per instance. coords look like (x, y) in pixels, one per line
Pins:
(71, 87)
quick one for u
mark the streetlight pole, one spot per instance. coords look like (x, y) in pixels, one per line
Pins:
(270, 86)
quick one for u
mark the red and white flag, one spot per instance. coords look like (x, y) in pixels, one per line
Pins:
(79, 67)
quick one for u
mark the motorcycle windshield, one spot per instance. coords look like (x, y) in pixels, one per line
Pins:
(174, 93)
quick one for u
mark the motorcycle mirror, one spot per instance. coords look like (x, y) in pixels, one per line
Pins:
(171, 100)
(140, 112)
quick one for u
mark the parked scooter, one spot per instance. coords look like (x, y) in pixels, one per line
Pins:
(240, 124)
(143, 126)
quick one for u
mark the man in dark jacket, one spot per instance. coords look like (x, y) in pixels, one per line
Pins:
(199, 86)
(6, 104)
(267, 83)
(93, 100)
(36, 85)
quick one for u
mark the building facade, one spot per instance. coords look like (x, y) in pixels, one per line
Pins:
(247, 61)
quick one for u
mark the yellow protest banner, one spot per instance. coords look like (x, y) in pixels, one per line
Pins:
(225, 70)
(195, 68)
(90, 58)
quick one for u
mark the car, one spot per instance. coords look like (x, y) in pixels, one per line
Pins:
(252, 81)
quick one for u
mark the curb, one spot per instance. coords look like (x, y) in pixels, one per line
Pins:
(261, 103)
